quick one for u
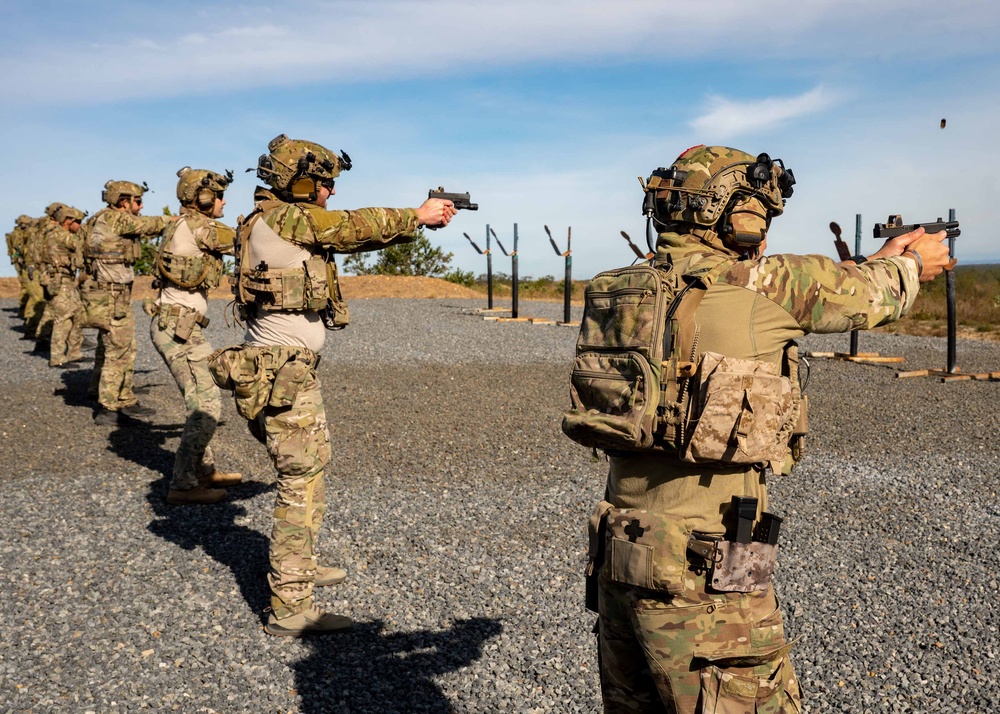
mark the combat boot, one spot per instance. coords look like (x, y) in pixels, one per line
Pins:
(327, 575)
(136, 411)
(220, 478)
(307, 622)
(198, 494)
(105, 417)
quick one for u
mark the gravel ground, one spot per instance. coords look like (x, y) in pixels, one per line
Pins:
(459, 510)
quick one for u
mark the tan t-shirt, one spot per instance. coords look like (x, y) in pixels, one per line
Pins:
(294, 329)
(184, 243)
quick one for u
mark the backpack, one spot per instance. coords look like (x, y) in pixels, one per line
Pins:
(635, 355)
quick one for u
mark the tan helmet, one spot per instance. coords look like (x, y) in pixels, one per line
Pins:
(703, 186)
(53, 208)
(295, 168)
(65, 212)
(24, 220)
(115, 190)
(198, 188)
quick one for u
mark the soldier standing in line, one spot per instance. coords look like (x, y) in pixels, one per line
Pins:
(34, 252)
(63, 257)
(112, 244)
(688, 621)
(188, 265)
(15, 249)
(288, 292)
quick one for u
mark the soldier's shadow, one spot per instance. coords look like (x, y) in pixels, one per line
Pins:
(213, 528)
(365, 669)
(142, 443)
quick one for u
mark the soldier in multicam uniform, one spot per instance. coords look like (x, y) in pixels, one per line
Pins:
(62, 258)
(188, 265)
(34, 253)
(288, 292)
(668, 640)
(112, 244)
(16, 240)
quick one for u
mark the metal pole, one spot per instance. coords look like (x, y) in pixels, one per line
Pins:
(513, 268)
(569, 274)
(857, 251)
(489, 270)
(952, 306)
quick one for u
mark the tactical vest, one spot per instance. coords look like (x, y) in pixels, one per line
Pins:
(314, 286)
(104, 244)
(202, 271)
(58, 257)
(636, 384)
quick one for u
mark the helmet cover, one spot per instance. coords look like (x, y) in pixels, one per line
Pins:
(295, 167)
(114, 191)
(192, 181)
(706, 182)
(64, 212)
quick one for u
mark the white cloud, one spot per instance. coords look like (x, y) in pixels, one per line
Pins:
(312, 41)
(727, 118)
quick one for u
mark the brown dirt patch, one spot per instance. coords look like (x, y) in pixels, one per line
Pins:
(355, 287)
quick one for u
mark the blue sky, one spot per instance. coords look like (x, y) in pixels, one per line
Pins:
(545, 112)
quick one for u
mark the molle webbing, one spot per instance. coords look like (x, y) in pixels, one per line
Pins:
(283, 289)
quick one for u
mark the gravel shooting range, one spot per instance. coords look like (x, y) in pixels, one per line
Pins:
(470, 170)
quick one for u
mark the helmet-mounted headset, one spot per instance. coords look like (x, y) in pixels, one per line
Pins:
(296, 169)
(703, 186)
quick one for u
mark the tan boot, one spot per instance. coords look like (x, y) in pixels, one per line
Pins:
(326, 575)
(198, 494)
(307, 622)
(220, 478)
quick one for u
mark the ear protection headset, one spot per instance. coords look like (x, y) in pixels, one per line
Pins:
(204, 199)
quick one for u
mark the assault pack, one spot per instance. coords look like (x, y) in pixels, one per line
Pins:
(639, 383)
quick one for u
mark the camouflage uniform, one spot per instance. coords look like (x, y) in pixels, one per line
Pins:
(675, 643)
(34, 304)
(64, 311)
(16, 250)
(274, 373)
(111, 247)
(176, 332)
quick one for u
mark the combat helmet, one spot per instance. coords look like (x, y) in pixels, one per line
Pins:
(24, 220)
(198, 188)
(704, 185)
(64, 212)
(53, 208)
(115, 190)
(295, 169)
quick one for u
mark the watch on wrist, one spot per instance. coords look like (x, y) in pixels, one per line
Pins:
(859, 259)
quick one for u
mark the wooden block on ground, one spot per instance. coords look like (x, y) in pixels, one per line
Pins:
(540, 321)
(875, 359)
(568, 324)
(513, 319)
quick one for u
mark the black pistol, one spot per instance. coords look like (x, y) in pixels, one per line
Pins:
(462, 201)
(894, 227)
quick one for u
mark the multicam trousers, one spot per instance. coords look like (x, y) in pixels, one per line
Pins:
(277, 388)
(702, 652)
(66, 313)
(114, 361)
(34, 305)
(187, 360)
